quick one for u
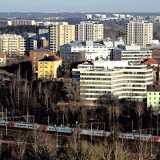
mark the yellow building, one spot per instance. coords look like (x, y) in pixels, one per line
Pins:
(49, 66)
(60, 34)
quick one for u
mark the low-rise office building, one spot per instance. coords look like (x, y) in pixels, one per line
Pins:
(112, 78)
(80, 51)
(131, 53)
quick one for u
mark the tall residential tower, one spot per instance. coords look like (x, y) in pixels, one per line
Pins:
(86, 31)
(60, 34)
(139, 32)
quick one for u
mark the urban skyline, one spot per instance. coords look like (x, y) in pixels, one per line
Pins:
(78, 6)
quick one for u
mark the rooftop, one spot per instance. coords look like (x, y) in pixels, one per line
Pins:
(85, 43)
(150, 61)
(41, 50)
(154, 88)
(54, 57)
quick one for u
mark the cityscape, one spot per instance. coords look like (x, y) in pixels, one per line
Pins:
(79, 85)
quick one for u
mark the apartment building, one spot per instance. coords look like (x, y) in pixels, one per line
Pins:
(49, 66)
(112, 78)
(153, 96)
(13, 45)
(89, 31)
(139, 32)
(60, 34)
(131, 53)
(22, 22)
(79, 51)
(36, 55)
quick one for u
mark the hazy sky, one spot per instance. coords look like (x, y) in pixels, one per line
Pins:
(79, 6)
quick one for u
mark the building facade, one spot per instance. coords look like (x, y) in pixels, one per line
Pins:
(60, 34)
(156, 53)
(49, 66)
(22, 22)
(36, 55)
(80, 51)
(153, 96)
(4, 23)
(13, 45)
(86, 31)
(112, 78)
(139, 32)
(132, 53)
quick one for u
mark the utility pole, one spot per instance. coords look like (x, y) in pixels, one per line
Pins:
(91, 134)
(6, 121)
(63, 116)
(151, 131)
(2, 112)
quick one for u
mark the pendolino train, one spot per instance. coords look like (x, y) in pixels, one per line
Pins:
(79, 131)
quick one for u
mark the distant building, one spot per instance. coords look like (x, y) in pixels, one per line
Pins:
(139, 32)
(86, 31)
(43, 33)
(131, 53)
(22, 22)
(80, 51)
(2, 59)
(153, 96)
(13, 45)
(49, 66)
(88, 16)
(112, 43)
(44, 43)
(60, 34)
(4, 23)
(36, 55)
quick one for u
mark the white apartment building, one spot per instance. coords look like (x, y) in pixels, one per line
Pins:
(80, 51)
(139, 32)
(59, 34)
(119, 79)
(13, 45)
(89, 31)
(131, 53)
(23, 22)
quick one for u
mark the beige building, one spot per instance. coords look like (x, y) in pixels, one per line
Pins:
(89, 31)
(23, 22)
(139, 32)
(60, 34)
(12, 45)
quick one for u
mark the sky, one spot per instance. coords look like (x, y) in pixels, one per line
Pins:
(79, 6)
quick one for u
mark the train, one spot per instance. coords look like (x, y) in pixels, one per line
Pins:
(78, 131)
